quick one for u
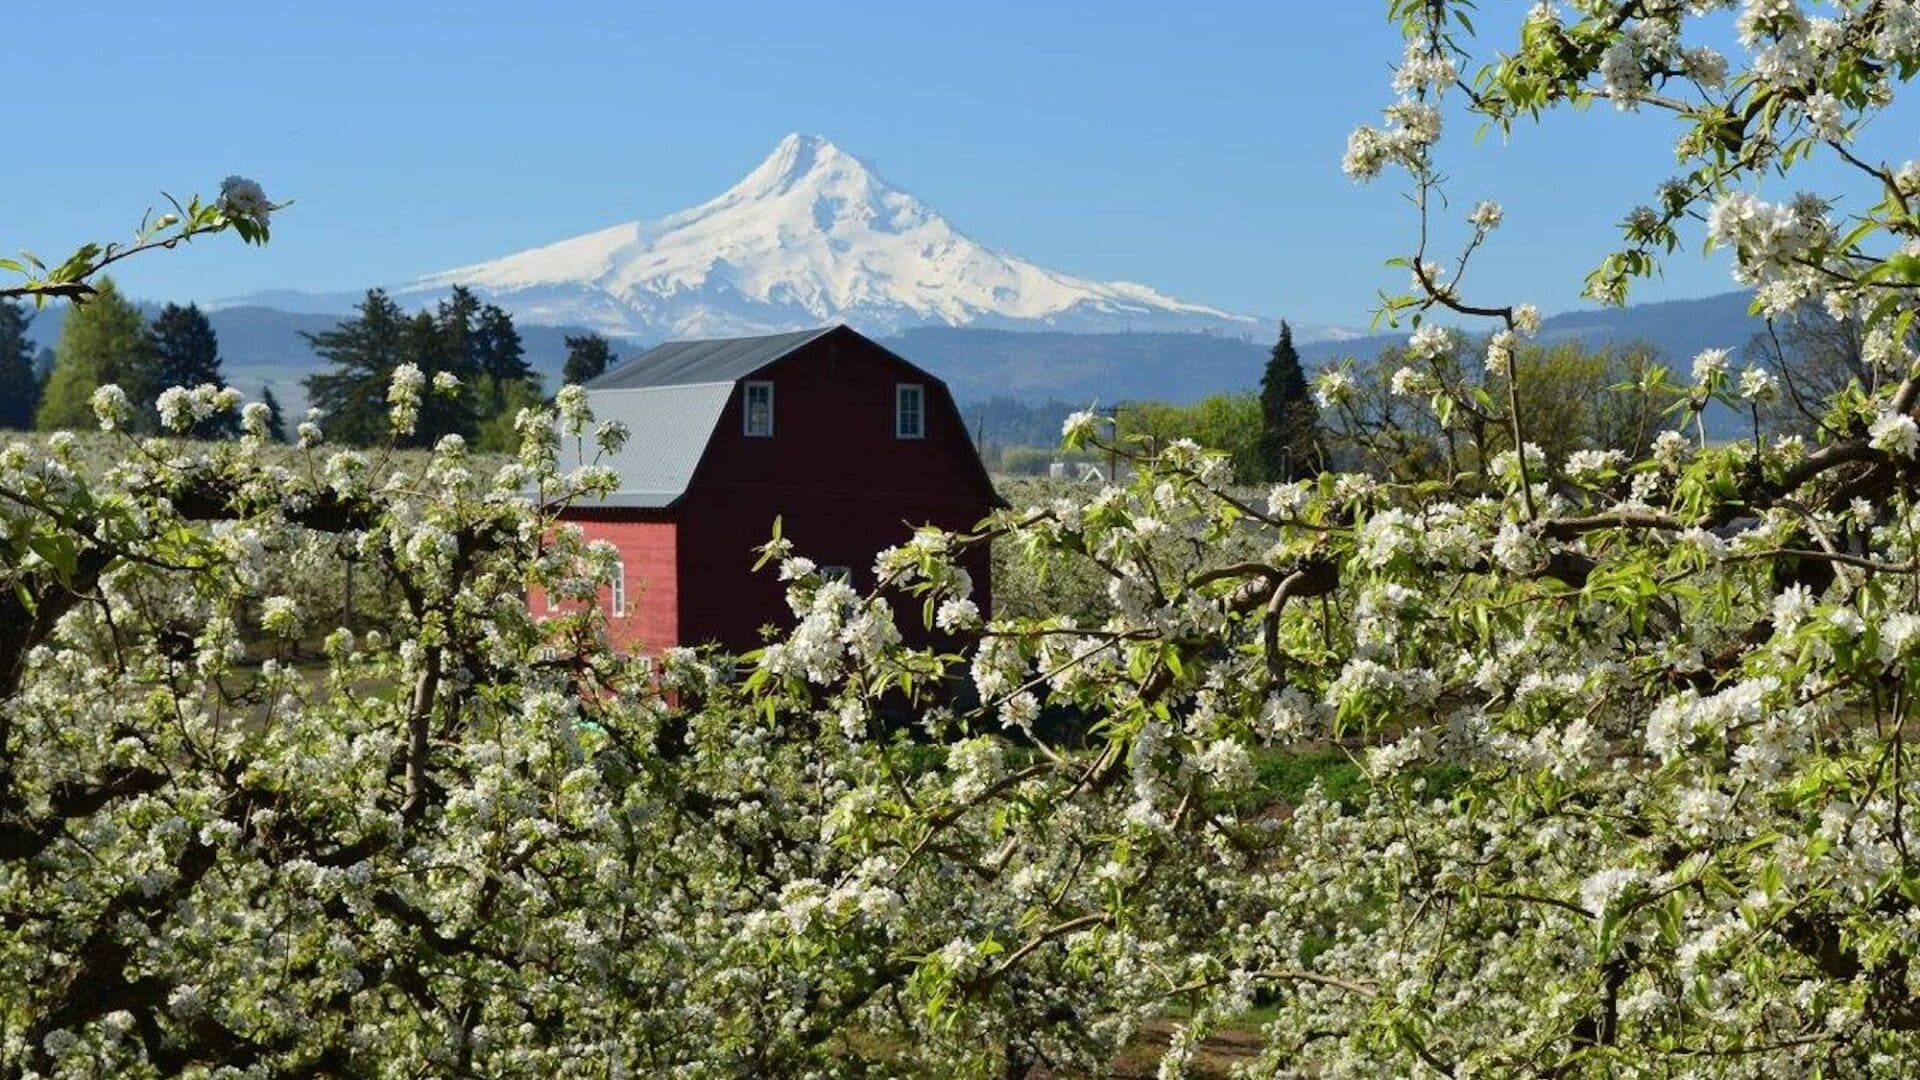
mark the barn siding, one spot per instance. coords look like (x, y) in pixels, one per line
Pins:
(843, 486)
(728, 603)
(649, 552)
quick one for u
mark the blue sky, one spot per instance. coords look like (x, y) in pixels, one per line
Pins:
(1192, 147)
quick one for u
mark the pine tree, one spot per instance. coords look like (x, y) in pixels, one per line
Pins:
(19, 383)
(182, 350)
(276, 419)
(588, 356)
(1289, 422)
(101, 343)
(363, 351)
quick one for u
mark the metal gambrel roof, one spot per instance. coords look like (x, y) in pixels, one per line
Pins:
(668, 429)
(686, 363)
(670, 398)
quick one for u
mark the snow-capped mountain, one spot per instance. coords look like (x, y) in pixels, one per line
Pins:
(810, 236)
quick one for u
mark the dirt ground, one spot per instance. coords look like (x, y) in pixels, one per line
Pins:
(1141, 1061)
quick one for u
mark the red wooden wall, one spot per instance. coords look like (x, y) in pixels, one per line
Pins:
(843, 486)
(649, 554)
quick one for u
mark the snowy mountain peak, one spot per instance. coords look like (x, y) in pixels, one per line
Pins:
(811, 235)
(794, 158)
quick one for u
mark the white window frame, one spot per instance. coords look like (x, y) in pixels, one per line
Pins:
(617, 597)
(553, 602)
(900, 413)
(746, 409)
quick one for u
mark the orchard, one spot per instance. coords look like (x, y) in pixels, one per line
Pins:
(1636, 794)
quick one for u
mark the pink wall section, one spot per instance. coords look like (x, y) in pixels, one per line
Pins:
(649, 552)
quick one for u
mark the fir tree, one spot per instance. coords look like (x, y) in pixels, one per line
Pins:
(457, 320)
(182, 350)
(502, 360)
(276, 419)
(101, 343)
(587, 357)
(441, 343)
(363, 351)
(19, 383)
(1289, 423)
(498, 348)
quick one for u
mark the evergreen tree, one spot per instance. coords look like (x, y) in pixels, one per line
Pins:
(101, 343)
(276, 419)
(502, 360)
(182, 350)
(1289, 422)
(363, 351)
(457, 321)
(587, 357)
(498, 348)
(442, 343)
(19, 383)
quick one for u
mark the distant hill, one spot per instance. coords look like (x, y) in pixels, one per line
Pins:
(1083, 368)
(262, 345)
(1676, 328)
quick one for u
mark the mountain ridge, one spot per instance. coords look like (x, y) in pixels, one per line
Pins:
(262, 345)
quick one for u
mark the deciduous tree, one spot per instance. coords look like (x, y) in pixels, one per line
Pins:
(588, 355)
(101, 342)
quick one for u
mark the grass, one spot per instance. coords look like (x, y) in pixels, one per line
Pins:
(1283, 778)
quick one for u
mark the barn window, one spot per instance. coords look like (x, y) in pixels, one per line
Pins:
(759, 411)
(619, 588)
(909, 411)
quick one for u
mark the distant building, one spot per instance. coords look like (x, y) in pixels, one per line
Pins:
(848, 444)
(1084, 471)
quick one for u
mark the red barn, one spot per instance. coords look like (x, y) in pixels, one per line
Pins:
(848, 444)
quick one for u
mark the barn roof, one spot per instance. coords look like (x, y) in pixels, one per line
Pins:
(690, 363)
(670, 397)
(668, 429)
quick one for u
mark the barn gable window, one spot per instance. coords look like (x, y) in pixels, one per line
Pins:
(619, 597)
(759, 410)
(909, 411)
